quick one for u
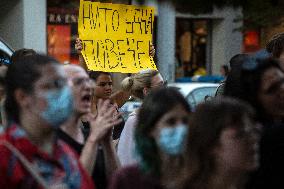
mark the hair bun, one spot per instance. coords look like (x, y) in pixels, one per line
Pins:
(127, 83)
(130, 81)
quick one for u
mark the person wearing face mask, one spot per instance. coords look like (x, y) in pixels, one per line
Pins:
(139, 85)
(38, 101)
(15, 58)
(160, 136)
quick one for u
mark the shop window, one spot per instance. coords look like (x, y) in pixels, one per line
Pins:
(251, 41)
(62, 22)
(191, 45)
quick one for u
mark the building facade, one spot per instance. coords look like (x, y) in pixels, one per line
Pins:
(185, 44)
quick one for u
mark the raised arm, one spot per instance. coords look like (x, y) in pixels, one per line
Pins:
(79, 47)
(100, 126)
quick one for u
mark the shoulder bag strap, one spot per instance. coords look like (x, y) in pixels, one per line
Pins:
(30, 168)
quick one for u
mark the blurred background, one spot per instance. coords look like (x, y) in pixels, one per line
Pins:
(193, 39)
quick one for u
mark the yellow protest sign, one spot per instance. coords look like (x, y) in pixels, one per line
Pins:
(116, 38)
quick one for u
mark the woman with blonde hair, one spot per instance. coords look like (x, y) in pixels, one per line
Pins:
(139, 85)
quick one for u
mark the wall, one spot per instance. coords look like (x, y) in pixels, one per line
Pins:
(11, 23)
(226, 41)
(23, 23)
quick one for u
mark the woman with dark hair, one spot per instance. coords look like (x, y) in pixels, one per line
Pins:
(16, 57)
(38, 101)
(262, 85)
(160, 135)
(232, 86)
(222, 146)
(233, 76)
(103, 90)
(20, 53)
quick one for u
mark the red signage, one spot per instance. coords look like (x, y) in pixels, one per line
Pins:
(251, 41)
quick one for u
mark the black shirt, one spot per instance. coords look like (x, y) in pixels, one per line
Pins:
(99, 174)
(270, 171)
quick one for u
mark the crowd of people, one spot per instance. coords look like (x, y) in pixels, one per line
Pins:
(61, 127)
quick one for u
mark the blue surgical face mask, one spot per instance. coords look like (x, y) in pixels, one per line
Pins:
(171, 139)
(59, 106)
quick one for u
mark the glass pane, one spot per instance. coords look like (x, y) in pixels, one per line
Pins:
(201, 93)
(4, 58)
(190, 99)
(191, 42)
(62, 20)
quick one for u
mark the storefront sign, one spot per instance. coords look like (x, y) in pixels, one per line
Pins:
(116, 38)
(62, 31)
(251, 41)
(62, 18)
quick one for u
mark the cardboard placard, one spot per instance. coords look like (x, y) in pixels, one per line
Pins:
(116, 37)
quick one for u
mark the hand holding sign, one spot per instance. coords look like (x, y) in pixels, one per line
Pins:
(78, 45)
(116, 38)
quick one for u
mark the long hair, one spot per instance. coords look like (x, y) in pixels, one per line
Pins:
(247, 84)
(251, 81)
(232, 84)
(154, 106)
(206, 125)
